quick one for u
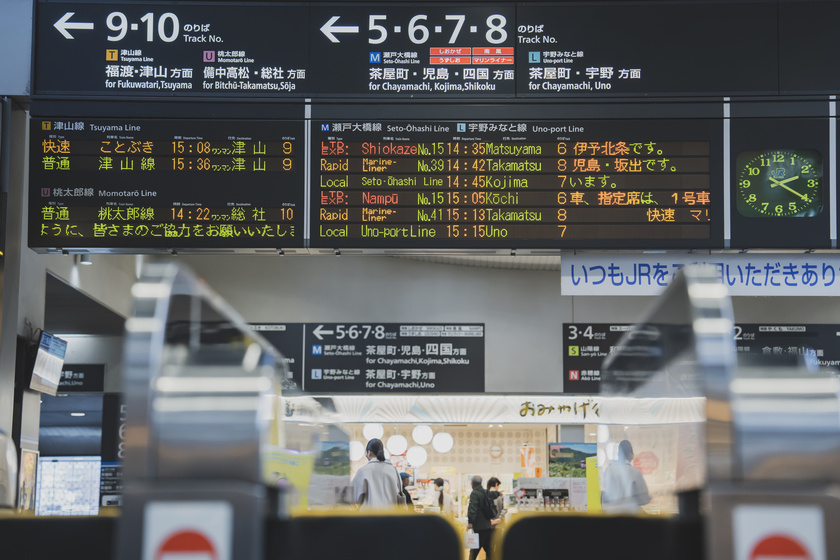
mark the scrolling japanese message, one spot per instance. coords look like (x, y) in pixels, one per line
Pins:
(143, 183)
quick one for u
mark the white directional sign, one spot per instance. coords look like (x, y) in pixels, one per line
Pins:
(330, 28)
(320, 331)
(64, 24)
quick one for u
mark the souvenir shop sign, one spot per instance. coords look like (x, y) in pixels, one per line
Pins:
(743, 275)
(513, 409)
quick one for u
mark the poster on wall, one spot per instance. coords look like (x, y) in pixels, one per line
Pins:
(27, 479)
(568, 460)
(528, 460)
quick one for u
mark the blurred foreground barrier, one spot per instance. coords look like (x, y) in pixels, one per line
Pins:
(372, 537)
(602, 538)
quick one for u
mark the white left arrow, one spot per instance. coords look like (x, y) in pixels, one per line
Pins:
(63, 25)
(319, 330)
(328, 29)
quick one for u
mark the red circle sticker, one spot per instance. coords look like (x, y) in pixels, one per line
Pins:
(646, 462)
(186, 544)
(780, 547)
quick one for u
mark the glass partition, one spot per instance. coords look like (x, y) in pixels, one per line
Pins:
(682, 350)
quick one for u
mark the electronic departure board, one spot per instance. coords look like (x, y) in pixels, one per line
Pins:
(515, 183)
(146, 183)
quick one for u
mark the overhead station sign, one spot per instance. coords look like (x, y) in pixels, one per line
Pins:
(423, 50)
(359, 163)
(385, 358)
(445, 50)
(170, 49)
(275, 50)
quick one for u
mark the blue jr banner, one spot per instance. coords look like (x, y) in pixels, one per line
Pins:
(811, 274)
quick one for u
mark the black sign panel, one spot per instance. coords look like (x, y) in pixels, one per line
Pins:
(807, 41)
(288, 340)
(414, 50)
(813, 345)
(646, 48)
(586, 346)
(394, 358)
(466, 50)
(82, 378)
(780, 182)
(145, 183)
(516, 184)
(165, 50)
(113, 443)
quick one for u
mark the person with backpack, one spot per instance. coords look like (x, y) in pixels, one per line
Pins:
(480, 517)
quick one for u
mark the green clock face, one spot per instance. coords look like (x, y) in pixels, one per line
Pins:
(779, 183)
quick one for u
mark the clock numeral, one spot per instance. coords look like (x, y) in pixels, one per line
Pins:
(753, 170)
(751, 198)
(779, 208)
(745, 183)
(813, 183)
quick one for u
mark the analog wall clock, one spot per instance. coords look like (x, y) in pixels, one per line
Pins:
(779, 183)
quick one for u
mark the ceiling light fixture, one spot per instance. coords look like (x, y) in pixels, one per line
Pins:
(422, 434)
(443, 442)
(357, 450)
(371, 431)
(416, 456)
(397, 444)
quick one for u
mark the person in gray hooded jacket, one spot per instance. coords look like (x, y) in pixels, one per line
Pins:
(377, 484)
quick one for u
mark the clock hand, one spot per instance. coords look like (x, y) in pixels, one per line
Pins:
(800, 195)
(782, 182)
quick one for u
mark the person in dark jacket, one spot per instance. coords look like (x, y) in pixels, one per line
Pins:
(496, 496)
(498, 500)
(477, 519)
(405, 477)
